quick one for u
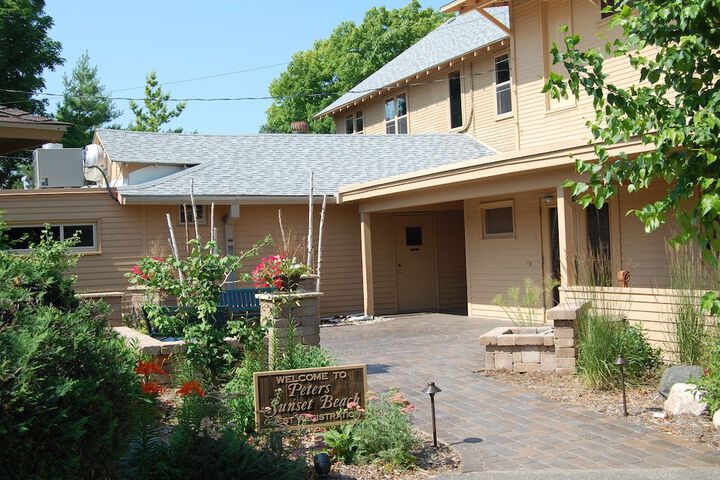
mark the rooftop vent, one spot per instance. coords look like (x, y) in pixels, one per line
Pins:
(299, 127)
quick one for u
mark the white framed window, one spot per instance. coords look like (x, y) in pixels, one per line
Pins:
(396, 120)
(498, 219)
(503, 98)
(23, 236)
(199, 210)
(455, 94)
(354, 123)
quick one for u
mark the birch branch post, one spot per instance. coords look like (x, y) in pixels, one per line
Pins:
(310, 223)
(320, 243)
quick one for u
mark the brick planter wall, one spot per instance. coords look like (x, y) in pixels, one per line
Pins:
(535, 349)
(302, 308)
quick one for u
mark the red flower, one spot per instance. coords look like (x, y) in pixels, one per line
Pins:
(191, 387)
(137, 270)
(151, 388)
(148, 368)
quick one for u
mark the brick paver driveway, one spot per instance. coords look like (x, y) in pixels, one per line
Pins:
(499, 428)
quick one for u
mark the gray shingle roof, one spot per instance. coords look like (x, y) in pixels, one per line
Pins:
(457, 36)
(278, 165)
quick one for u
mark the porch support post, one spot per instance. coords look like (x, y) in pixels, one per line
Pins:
(366, 253)
(567, 240)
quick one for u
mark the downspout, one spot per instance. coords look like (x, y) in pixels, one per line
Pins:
(514, 74)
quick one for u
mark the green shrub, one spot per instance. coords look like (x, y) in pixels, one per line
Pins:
(600, 340)
(384, 433)
(67, 382)
(340, 442)
(204, 445)
(710, 383)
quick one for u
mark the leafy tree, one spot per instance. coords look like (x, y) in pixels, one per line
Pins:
(155, 113)
(674, 106)
(26, 51)
(85, 104)
(318, 76)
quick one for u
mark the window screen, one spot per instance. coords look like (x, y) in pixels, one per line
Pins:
(22, 238)
(455, 100)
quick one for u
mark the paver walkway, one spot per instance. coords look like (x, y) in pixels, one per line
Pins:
(499, 428)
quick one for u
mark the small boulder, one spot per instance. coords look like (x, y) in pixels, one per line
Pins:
(678, 374)
(716, 420)
(685, 398)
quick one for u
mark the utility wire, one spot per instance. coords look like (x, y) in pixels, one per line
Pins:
(264, 97)
(218, 75)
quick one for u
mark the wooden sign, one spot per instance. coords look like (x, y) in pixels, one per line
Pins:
(317, 397)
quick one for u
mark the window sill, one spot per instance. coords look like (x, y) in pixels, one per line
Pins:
(504, 116)
(560, 110)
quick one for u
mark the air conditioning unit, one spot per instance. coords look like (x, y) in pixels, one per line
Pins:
(58, 167)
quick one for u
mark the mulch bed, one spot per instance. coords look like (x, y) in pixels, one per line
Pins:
(645, 404)
(430, 463)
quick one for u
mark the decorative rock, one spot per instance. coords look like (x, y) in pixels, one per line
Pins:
(678, 374)
(716, 420)
(685, 398)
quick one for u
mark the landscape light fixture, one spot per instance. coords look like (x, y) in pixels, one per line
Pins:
(620, 362)
(321, 462)
(431, 390)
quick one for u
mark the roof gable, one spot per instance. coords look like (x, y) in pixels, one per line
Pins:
(456, 37)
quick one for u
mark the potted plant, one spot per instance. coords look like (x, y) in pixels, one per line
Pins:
(279, 271)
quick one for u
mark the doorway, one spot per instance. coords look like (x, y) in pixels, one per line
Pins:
(416, 266)
(551, 248)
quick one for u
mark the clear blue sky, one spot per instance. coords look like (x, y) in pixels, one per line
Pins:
(184, 39)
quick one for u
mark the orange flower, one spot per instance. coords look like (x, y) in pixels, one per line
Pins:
(151, 388)
(191, 387)
(148, 368)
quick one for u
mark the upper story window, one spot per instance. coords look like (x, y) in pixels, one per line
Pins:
(354, 122)
(22, 237)
(199, 209)
(502, 85)
(396, 120)
(456, 117)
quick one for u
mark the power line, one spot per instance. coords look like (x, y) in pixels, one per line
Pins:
(206, 77)
(248, 98)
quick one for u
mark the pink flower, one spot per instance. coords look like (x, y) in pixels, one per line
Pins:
(408, 408)
(352, 405)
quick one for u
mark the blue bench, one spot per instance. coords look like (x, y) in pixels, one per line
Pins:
(231, 303)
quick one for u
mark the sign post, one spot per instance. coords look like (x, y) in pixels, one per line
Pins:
(319, 396)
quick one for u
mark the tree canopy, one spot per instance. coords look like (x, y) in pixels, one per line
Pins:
(318, 76)
(674, 107)
(85, 104)
(155, 112)
(26, 51)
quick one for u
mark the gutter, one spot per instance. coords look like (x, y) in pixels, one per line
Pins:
(134, 199)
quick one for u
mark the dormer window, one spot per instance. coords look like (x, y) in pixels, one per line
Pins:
(354, 122)
(456, 119)
(396, 120)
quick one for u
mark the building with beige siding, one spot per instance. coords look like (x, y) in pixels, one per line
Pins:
(506, 217)
(445, 180)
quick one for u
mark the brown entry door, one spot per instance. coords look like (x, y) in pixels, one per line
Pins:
(416, 263)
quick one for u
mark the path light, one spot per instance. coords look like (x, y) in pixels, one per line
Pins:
(431, 390)
(321, 461)
(620, 362)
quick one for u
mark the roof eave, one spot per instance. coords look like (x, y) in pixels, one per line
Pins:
(483, 167)
(140, 199)
(465, 5)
